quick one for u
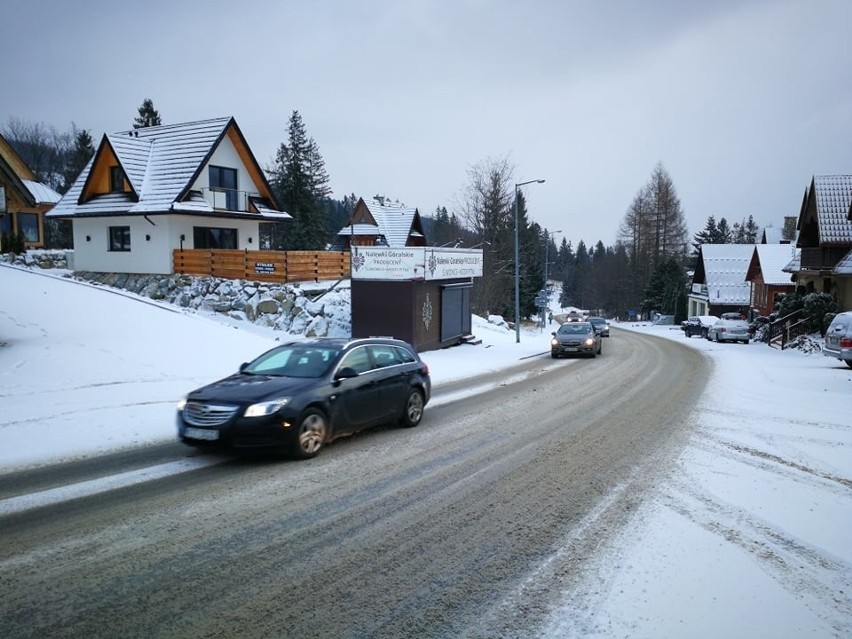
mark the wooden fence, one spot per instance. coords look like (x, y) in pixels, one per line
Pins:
(263, 266)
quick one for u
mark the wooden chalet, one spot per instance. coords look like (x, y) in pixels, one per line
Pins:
(767, 277)
(825, 238)
(381, 223)
(23, 200)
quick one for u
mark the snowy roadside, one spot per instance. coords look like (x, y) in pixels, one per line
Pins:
(750, 536)
(87, 370)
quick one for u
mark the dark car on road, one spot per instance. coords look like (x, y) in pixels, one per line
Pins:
(600, 324)
(575, 338)
(301, 395)
(698, 325)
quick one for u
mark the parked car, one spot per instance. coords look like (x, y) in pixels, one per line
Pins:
(601, 325)
(729, 330)
(300, 396)
(838, 338)
(698, 325)
(575, 338)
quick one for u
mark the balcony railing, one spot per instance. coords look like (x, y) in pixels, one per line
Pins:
(228, 199)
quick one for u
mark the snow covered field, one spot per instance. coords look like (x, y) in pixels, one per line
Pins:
(749, 538)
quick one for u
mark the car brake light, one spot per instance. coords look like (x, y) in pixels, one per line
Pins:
(846, 342)
(425, 368)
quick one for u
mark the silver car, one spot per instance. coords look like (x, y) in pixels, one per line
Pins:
(729, 330)
(838, 338)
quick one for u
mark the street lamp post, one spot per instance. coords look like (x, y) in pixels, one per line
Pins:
(518, 264)
(549, 235)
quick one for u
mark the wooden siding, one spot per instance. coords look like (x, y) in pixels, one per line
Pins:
(263, 266)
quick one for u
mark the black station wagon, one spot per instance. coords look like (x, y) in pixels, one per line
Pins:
(301, 395)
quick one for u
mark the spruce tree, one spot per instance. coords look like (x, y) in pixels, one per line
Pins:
(78, 158)
(300, 182)
(148, 115)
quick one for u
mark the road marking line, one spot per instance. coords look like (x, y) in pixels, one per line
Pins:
(23, 503)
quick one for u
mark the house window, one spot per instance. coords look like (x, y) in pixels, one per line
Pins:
(205, 237)
(119, 238)
(225, 179)
(28, 226)
(116, 179)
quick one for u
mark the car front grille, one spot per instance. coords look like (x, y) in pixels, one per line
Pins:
(199, 414)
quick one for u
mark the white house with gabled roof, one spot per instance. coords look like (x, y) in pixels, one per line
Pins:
(149, 191)
(719, 283)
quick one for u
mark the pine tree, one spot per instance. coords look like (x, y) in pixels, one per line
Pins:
(148, 115)
(300, 182)
(724, 235)
(708, 235)
(78, 158)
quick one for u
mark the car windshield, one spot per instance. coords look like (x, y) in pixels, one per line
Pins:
(573, 329)
(293, 361)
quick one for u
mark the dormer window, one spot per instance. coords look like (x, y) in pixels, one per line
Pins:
(116, 179)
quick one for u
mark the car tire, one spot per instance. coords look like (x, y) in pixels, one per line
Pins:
(311, 434)
(554, 356)
(413, 409)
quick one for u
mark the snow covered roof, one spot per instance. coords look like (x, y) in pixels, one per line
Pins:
(773, 235)
(844, 266)
(394, 221)
(772, 259)
(833, 195)
(160, 164)
(42, 193)
(360, 229)
(722, 268)
(794, 265)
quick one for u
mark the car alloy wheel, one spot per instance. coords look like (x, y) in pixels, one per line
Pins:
(312, 434)
(413, 409)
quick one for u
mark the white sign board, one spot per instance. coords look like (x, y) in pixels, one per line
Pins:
(446, 264)
(414, 263)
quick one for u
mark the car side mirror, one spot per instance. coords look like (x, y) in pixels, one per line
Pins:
(553, 333)
(347, 372)
(243, 366)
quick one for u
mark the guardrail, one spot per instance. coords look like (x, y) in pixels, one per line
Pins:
(264, 266)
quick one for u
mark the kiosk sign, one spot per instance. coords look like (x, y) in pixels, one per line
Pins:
(415, 263)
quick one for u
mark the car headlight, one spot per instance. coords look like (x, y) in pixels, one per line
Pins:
(266, 408)
(181, 404)
(554, 342)
(590, 342)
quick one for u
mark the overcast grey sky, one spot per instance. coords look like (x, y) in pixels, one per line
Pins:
(742, 102)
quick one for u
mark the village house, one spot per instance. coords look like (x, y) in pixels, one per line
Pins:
(381, 223)
(150, 191)
(825, 238)
(23, 200)
(767, 277)
(719, 283)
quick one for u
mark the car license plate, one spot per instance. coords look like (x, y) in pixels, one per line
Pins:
(572, 349)
(201, 433)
